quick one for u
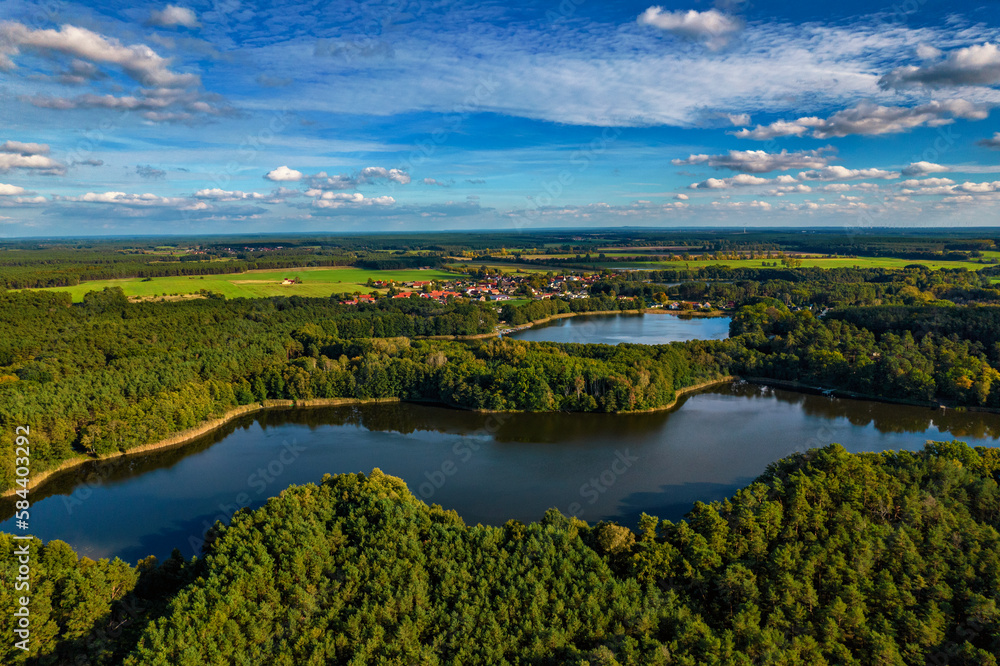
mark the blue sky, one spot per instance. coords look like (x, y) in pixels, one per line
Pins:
(224, 116)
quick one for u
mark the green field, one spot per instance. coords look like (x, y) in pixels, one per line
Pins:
(820, 262)
(257, 284)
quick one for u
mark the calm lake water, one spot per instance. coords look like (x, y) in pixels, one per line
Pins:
(488, 467)
(650, 329)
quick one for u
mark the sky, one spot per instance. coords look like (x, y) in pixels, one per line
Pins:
(222, 116)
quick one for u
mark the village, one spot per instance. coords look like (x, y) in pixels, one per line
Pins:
(508, 287)
(496, 288)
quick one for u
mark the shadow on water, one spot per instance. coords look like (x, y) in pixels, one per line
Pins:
(674, 502)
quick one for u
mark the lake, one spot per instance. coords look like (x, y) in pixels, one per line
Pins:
(488, 467)
(649, 329)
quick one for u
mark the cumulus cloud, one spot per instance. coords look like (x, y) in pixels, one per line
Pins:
(10, 190)
(711, 26)
(218, 194)
(168, 96)
(926, 182)
(24, 148)
(283, 174)
(944, 186)
(370, 174)
(992, 142)
(742, 205)
(33, 156)
(681, 197)
(843, 173)
(366, 176)
(126, 199)
(172, 16)
(137, 61)
(344, 199)
(157, 105)
(923, 168)
(741, 180)
(789, 189)
(868, 118)
(759, 161)
(977, 65)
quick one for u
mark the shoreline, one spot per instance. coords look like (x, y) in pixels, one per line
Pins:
(186, 436)
(566, 315)
(799, 387)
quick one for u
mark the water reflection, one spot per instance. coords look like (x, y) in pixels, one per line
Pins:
(488, 467)
(650, 329)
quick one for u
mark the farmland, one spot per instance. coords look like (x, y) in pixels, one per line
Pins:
(257, 284)
(817, 262)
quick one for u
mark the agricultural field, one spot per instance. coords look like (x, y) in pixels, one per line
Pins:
(820, 262)
(257, 284)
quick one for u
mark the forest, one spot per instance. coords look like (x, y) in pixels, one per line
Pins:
(826, 558)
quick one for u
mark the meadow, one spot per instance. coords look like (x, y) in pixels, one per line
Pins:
(260, 283)
(817, 262)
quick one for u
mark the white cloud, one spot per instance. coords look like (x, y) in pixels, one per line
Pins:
(22, 201)
(370, 174)
(944, 186)
(742, 205)
(776, 129)
(365, 176)
(283, 174)
(344, 199)
(843, 173)
(922, 168)
(138, 60)
(867, 118)
(979, 188)
(977, 65)
(125, 199)
(154, 103)
(788, 189)
(23, 148)
(759, 161)
(928, 52)
(681, 197)
(926, 182)
(10, 190)
(217, 194)
(172, 15)
(168, 96)
(741, 180)
(711, 26)
(39, 163)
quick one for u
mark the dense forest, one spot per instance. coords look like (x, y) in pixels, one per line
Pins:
(926, 354)
(827, 558)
